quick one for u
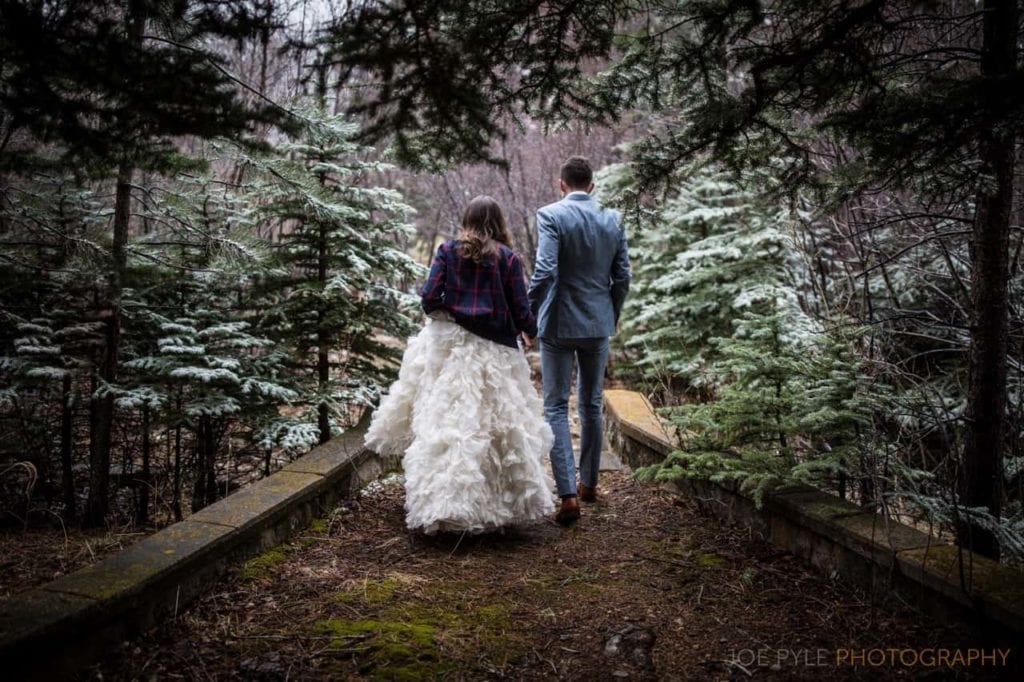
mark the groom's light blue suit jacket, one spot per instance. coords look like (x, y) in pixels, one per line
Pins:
(582, 273)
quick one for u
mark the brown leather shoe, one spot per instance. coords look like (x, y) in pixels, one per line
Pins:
(588, 494)
(569, 513)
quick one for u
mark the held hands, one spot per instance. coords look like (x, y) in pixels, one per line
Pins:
(527, 341)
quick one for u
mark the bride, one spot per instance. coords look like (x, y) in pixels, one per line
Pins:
(463, 413)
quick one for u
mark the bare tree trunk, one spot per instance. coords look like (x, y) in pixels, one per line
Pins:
(205, 491)
(199, 487)
(176, 493)
(323, 365)
(867, 476)
(142, 513)
(981, 481)
(66, 447)
(102, 406)
(102, 422)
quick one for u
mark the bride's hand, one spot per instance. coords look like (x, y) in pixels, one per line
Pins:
(527, 341)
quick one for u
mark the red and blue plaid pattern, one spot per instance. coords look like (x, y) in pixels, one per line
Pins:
(488, 299)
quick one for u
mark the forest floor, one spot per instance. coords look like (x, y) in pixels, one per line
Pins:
(642, 588)
(30, 558)
(34, 553)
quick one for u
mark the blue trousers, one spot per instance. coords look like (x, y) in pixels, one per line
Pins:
(557, 358)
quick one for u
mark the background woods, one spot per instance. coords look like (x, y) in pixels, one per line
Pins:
(206, 261)
(197, 266)
(822, 203)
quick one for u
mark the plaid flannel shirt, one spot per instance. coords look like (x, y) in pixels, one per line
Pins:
(488, 299)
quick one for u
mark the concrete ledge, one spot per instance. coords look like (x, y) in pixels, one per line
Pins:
(633, 429)
(55, 630)
(838, 537)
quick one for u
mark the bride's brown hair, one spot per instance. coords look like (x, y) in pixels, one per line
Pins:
(483, 228)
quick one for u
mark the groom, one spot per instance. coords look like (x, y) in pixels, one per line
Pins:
(579, 283)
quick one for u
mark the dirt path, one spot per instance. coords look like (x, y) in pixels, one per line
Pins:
(642, 588)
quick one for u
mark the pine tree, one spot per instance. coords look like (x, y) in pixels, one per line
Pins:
(217, 374)
(335, 295)
(49, 339)
(840, 408)
(795, 405)
(191, 363)
(712, 250)
(445, 90)
(747, 432)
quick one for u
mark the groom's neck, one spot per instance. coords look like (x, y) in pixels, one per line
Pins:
(567, 190)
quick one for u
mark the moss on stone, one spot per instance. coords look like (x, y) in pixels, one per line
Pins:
(319, 526)
(683, 551)
(388, 650)
(265, 564)
(466, 621)
(317, 530)
(827, 509)
(989, 580)
(708, 560)
(681, 548)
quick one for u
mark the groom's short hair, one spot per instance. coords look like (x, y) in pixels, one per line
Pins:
(577, 173)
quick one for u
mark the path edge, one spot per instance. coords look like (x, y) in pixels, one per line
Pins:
(837, 537)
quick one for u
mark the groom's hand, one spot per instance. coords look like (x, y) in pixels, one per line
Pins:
(527, 341)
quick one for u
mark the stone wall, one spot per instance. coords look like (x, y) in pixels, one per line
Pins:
(837, 537)
(53, 631)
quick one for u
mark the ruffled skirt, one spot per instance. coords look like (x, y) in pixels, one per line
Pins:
(469, 425)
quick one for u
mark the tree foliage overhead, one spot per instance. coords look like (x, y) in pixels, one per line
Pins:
(449, 71)
(898, 81)
(75, 79)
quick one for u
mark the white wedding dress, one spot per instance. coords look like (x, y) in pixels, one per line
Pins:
(469, 425)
